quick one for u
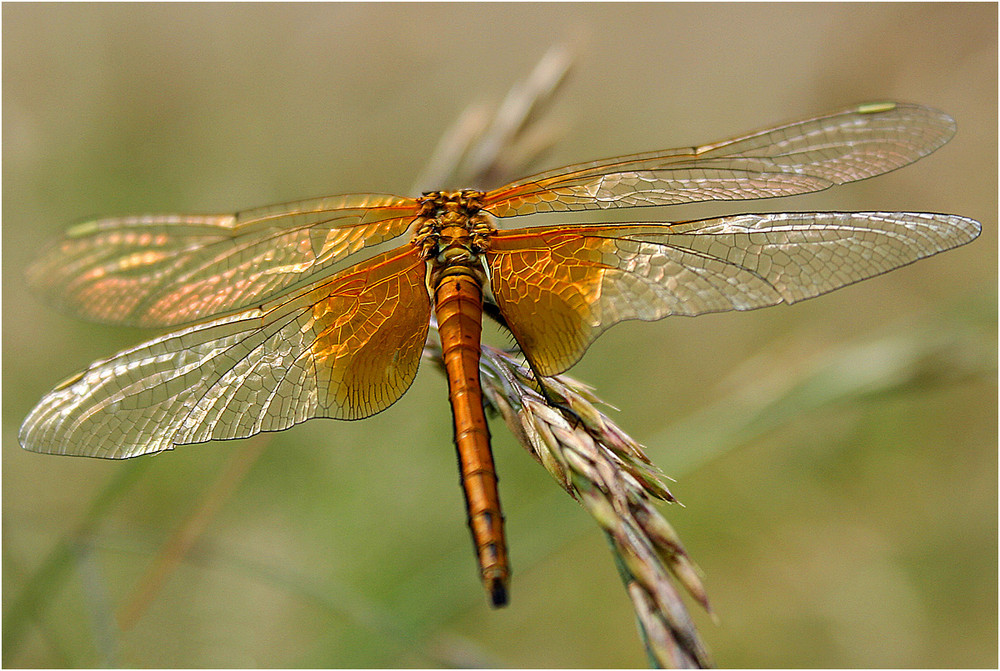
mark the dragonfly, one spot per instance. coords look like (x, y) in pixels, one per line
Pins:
(272, 327)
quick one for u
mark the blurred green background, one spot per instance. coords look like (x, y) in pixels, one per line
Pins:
(837, 459)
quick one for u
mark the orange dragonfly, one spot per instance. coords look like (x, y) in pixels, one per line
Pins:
(276, 330)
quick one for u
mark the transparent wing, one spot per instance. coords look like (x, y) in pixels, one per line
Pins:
(347, 348)
(167, 270)
(559, 288)
(802, 157)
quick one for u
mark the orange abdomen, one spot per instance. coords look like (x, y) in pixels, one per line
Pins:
(459, 307)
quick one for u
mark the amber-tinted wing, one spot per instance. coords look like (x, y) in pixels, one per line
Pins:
(559, 288)
(802, 157)
(165, 270)
(346, 348)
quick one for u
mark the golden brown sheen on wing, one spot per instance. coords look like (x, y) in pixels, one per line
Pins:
(371, 333)
(559, 288)
(166, 270)
(802, 157)
(347, 348)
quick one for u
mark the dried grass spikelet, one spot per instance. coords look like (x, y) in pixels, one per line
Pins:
(607, 471)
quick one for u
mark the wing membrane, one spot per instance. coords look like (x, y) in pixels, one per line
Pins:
(796, 158)
(347, 349)
(559, 288)
(174, 269)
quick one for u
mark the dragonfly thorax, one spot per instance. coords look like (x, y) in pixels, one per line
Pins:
(451, 230)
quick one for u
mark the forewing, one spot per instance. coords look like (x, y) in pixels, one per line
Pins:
(559, 288)
(802, 157)
(165, 270)
(347, 348)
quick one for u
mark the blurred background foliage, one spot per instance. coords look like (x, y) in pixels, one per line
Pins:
(837, 459)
